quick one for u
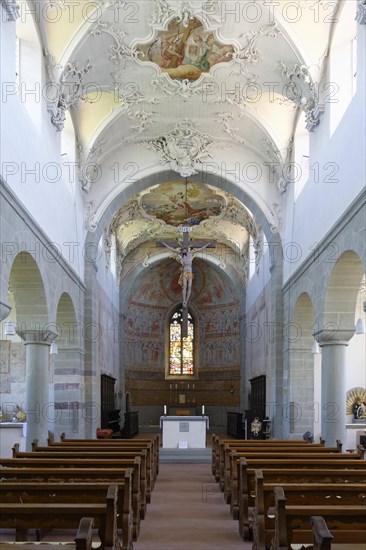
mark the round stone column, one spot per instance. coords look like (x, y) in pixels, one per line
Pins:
(333, 385)
(37, 407)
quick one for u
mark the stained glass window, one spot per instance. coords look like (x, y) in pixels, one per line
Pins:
(181, 349)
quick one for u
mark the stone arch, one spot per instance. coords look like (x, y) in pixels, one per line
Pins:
(341, 296)
(338, 328)
(27, 287)
(31, 309)
(91, 248)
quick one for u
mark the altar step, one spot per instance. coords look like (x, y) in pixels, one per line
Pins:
(185, 456)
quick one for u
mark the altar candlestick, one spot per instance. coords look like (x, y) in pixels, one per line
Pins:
(165, 410)
(203, 409)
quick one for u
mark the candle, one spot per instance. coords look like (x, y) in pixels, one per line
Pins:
(165, 409)
(203, 409)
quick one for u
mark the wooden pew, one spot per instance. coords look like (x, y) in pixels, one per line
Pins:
(293, 523)
(224, 450)
(77, 492)
(303, 494)
(154, 440)
(280, 476)
(229, 485)
(235, 476)
(21, 516)
(269, 444)
(227, 450)
(89, 454)
(115, 446)
(109, 445)
(83, 540)
(55, 474)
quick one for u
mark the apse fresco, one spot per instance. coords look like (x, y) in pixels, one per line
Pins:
(186, 52)
(177, 203)
(148, 325)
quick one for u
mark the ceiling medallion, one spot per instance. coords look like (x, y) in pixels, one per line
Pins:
(184, 148)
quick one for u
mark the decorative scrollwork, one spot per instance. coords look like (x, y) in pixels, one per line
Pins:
(163, 12)
(361, 12)
(303, 92)
(12, 10)
(183, 89)
(250, 53)
(119, 53)
(71, 91)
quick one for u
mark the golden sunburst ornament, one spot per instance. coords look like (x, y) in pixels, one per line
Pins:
(353, 396)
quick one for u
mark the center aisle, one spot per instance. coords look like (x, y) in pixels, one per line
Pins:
(187, 512)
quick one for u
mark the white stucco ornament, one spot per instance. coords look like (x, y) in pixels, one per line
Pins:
(184, 148)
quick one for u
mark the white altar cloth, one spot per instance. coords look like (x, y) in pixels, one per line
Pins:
(184, 431)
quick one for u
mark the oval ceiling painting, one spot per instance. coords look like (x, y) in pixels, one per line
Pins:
(184, 52)
(178, 202)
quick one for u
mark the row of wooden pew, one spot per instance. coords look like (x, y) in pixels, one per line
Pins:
(293, 492)
(58, 485)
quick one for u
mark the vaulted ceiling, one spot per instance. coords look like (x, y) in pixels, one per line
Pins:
(181, 85)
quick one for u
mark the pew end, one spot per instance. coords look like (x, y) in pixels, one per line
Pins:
(15, 450)
(322, 538)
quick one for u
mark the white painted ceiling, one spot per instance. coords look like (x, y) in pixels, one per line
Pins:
(246, 105)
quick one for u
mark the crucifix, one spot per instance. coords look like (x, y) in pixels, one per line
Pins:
(185, 257)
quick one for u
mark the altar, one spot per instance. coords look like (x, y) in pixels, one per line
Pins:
(184, 432)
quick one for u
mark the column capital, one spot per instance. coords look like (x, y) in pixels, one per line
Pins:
(5, 309)
(37, 336)
(333, 337)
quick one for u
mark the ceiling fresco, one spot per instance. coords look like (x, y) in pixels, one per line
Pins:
(185, 51)
(157, 214)
(179, 203)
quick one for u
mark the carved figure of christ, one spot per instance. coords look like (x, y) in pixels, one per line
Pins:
(187, 251)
